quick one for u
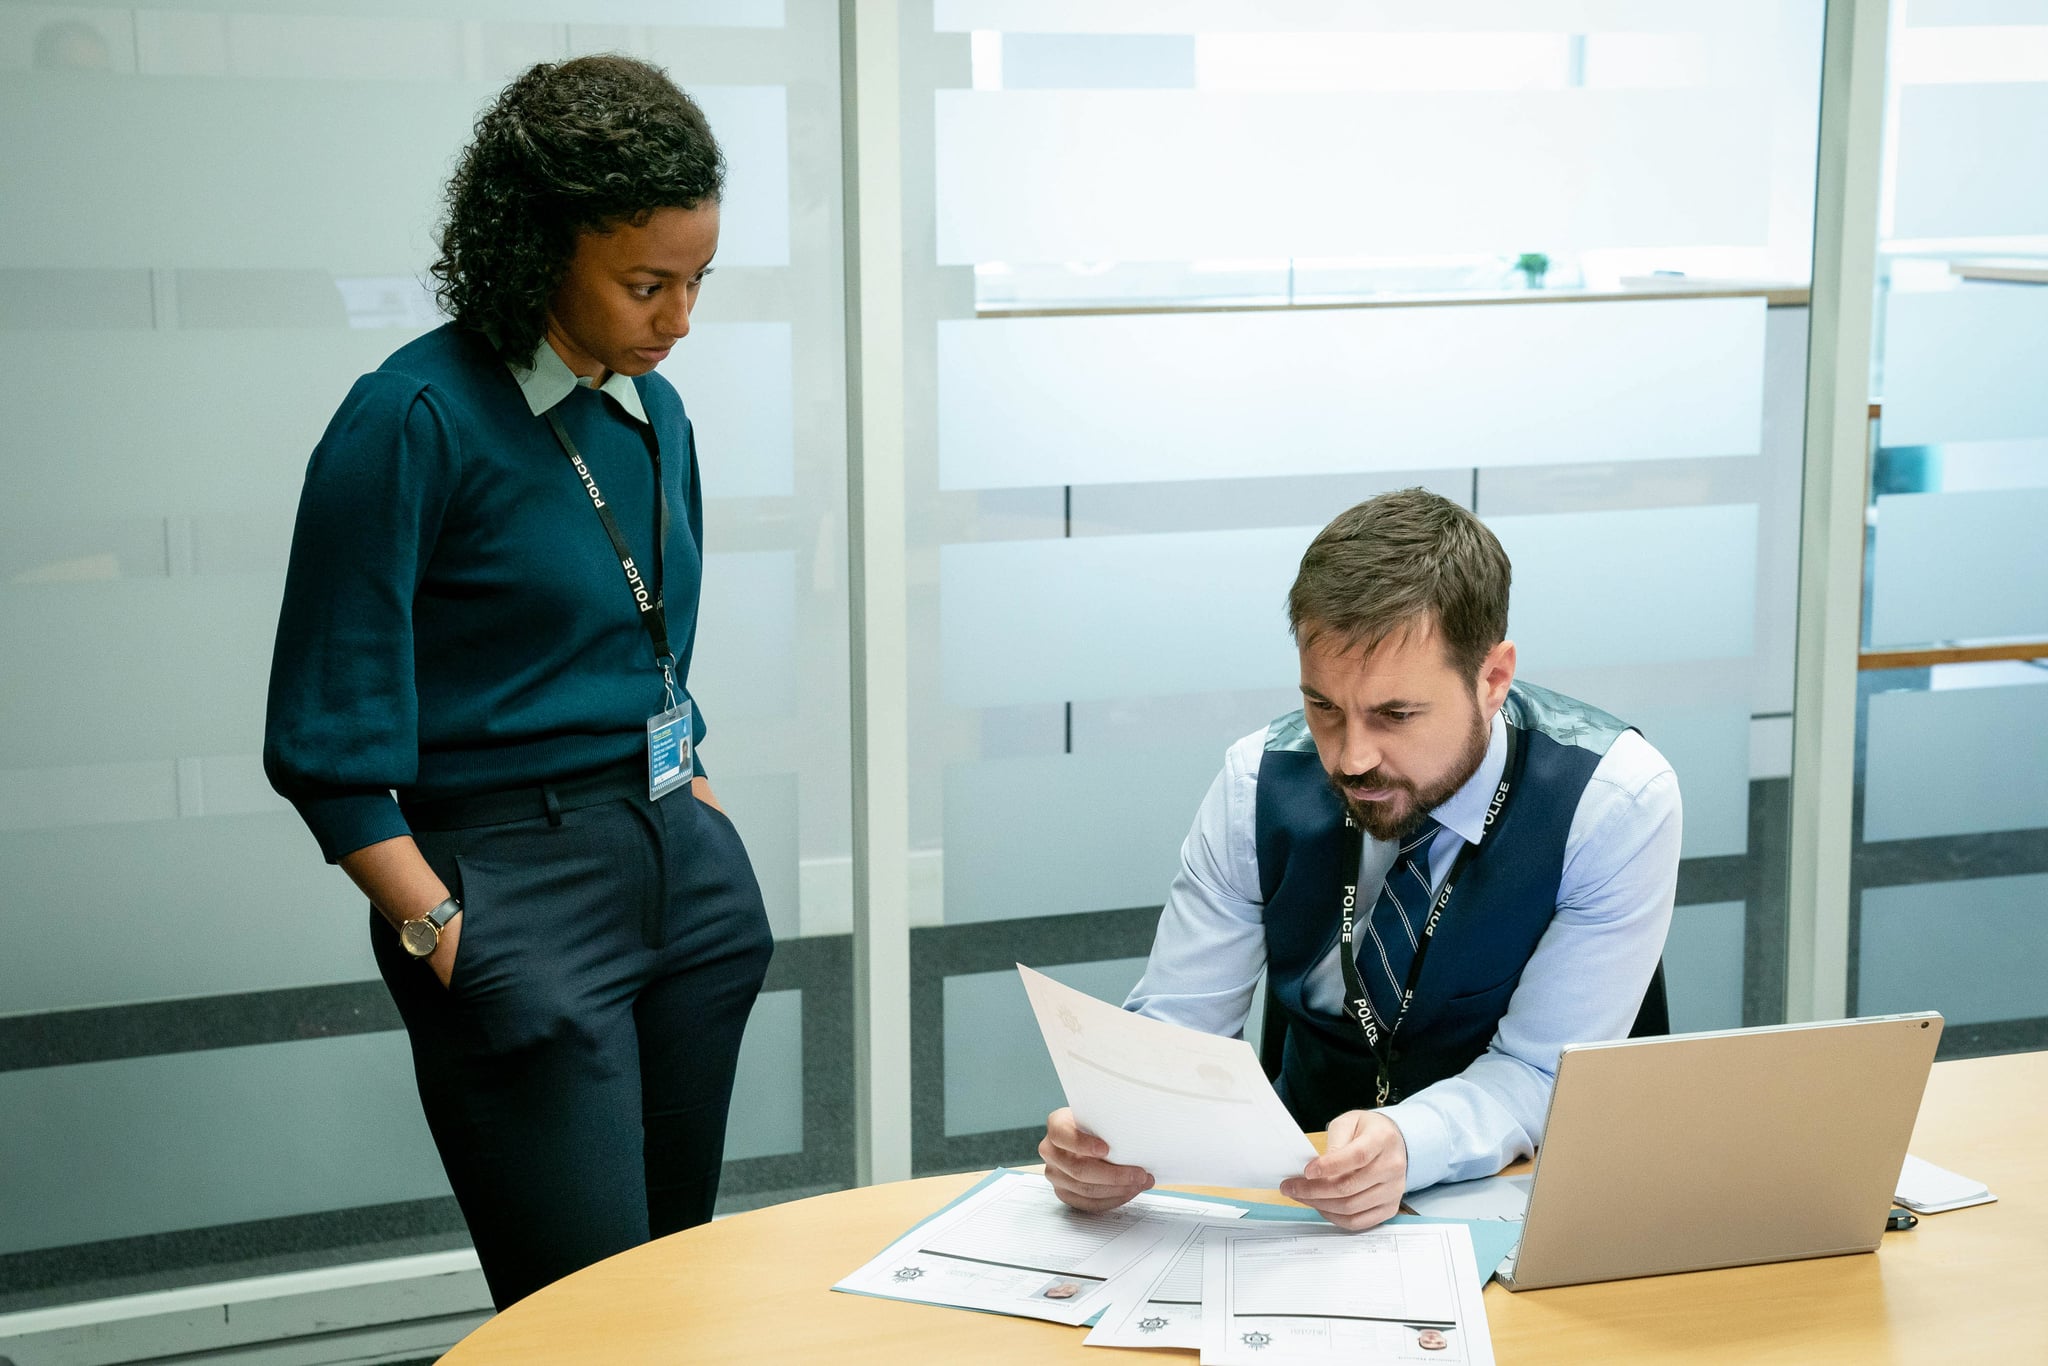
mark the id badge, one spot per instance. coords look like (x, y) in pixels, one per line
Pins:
(669, 735)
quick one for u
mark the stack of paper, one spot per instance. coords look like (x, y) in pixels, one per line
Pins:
(1170, 1271)
(1927, 1189)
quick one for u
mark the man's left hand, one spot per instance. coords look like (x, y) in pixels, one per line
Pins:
(1360, 1177)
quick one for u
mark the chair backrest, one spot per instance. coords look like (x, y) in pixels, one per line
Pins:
(1653, 1018)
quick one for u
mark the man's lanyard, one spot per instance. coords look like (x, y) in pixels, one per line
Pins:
(652, 615)
(1379, 1033)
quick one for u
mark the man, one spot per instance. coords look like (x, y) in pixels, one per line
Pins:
(1502, 860)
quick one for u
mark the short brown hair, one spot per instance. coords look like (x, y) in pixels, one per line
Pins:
(1400, 560)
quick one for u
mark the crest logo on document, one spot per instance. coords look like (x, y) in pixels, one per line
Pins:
(1153, 1323)
(1257, 1341)
(1070, 1019)
(906, 1274)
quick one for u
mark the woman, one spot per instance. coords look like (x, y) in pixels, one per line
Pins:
(490, 609)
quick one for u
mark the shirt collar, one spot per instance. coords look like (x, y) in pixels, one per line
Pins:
(1465, 810)
(546, 381)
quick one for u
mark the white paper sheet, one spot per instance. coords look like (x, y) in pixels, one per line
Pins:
(1166, 1308)
(1928, 1189)
(1191, 1108)
(1400, 1293)
(1013, 1248)
(1490, 1197)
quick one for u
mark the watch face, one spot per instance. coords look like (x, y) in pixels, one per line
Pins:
(419, 937)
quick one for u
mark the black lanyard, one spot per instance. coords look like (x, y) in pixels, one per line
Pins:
(1379, 1033)
(648, 600)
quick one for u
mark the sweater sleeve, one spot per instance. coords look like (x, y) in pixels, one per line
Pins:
(343, 722)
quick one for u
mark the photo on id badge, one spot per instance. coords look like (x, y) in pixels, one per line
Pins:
(668, 751)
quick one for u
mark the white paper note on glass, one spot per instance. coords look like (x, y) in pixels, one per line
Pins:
(1191, 1108)
(1399, 1293)
(1013, 1248)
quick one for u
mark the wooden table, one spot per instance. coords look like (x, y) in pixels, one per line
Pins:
(1967, 1285)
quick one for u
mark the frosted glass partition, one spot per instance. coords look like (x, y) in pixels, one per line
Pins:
(997, 1073)
(1960, 566)
(1708, 747)
(745, 665)
(181, 1140)
(1965, 365)
(1969, 160)
(1641, 586)
(1703, 965)
(1945, 13)
(738, 381)
(1122, 399)
(1116, 616)
(148, 165)
(1955, 762)
(1134, 616)
(1050, 176)
(1310, 16)
(1116, 818)
(1977, 951)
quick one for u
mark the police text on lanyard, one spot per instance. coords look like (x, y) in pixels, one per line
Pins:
(1379, 1032)
(670, 731)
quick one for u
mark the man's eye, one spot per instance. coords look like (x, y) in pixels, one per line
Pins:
(1318, 704)
(1398, 715)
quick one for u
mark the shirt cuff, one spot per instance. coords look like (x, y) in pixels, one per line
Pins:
(356, 820)
(1429, 1142)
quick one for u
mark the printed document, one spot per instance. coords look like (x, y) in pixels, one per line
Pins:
(1011, 1247)
(1398, 1293)
(1191, 1108)
(1166, 1308)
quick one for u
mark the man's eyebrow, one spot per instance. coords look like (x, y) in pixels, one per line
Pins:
(1401, 704)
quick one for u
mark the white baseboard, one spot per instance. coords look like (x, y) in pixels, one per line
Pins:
(360, 1313)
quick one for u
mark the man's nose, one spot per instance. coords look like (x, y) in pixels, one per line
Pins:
(1359, 752)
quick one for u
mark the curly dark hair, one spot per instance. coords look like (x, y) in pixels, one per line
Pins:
(569, 147)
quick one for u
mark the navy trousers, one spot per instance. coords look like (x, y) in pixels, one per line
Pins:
(577, 1069)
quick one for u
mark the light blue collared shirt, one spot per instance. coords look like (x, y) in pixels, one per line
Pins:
(546, 380)
(1584, 983)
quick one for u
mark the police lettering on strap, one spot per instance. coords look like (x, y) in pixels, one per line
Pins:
(670, 732)
(1380, 1032)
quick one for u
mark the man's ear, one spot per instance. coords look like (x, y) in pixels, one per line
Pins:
(1495, 674)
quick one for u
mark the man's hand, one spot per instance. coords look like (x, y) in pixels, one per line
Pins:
(1077, 1163)
(1358, 1181)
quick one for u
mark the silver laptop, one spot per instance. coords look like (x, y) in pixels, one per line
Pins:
(1693, 1151)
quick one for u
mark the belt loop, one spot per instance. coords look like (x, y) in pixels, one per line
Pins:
(552, 802)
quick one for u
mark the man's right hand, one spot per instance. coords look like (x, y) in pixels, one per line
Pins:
(1077, 1163)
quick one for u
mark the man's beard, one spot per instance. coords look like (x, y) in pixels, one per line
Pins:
(1394, 820)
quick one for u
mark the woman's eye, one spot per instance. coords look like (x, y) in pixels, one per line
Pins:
(644, 291)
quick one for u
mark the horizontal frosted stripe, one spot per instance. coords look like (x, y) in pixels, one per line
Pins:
(767, 1116)
(1965, 365)
(208, 639)
(763, 809)
(1703, 967)
(997, 1073)
(1051, 176)
(343, 175)
(745, 664)
(163, 891)
(1097, 400)
(1116, 818)
(1708, 748)
(1631, 587)
(1297, 16)
(738, 382)
(1111, 616)
(1134, 616)
(1960, 566)
(1959, 762)
(138, 790)
(1968, 160)
(1942, 13)
(1976, 951)
(151, 1145)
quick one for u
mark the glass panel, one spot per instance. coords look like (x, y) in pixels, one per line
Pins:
(1966, 155)
(1277, 393)
(1964, 364)
(1989, 963)
(1945, 762)
(1131, 402)
(231, 213)
(1938, 552)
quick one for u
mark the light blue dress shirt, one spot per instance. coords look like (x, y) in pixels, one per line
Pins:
(1584, 983)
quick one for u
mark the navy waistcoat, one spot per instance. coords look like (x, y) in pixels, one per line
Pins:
(1503, 903)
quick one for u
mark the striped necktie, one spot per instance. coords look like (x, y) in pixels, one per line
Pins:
(1396, 924)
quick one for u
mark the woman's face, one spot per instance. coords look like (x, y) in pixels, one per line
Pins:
(628, 294)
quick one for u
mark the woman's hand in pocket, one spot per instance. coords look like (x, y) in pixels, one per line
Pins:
(442, 959)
